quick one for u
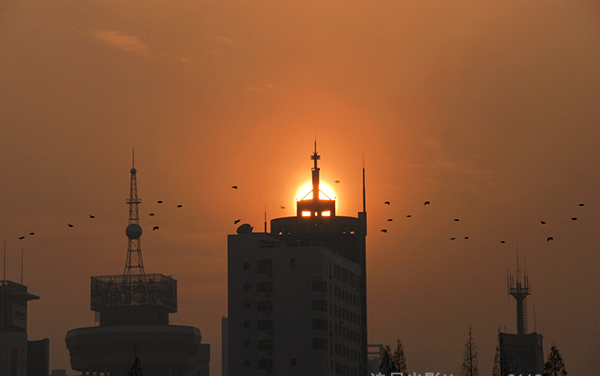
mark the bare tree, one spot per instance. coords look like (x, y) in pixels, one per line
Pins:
(469, 365)
(555, 365)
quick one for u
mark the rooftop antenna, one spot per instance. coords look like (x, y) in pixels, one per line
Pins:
(265, 218)
(364, 191)
(534, 321)
(518, 288)
(134, 264)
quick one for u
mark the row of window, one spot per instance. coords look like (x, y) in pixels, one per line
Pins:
(347, 333)
(347, 352)
(346, 296)
(345, 314)
(344, 370)
(343, 274)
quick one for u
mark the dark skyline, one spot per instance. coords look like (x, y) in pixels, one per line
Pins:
(486, 110)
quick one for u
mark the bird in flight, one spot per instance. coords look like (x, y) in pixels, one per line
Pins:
(543, 222)
(151, 214)
(32, 233)
(466, 237)
(502, 241)
(427, 203)
(22, 237)
(159, 201)
(549, 238)
(70, 225)
(281, 206)
(574, 218)
(455, 219)
(387, 203)
(236, 221)
(581, 204)
(92, 216)
(155, 228)
(408, 216)
(337, 181)
(390, 219)
(234, 186)
(384, 230)
(179, 206)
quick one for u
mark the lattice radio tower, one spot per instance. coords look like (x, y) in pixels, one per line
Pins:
(519, 289)
(134, 264)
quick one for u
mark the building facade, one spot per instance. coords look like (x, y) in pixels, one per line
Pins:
(297, 295)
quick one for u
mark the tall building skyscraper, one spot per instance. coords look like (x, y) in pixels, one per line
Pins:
(132, 312)
(297, 301)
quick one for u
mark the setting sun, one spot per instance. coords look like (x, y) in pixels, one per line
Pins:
(305, 193)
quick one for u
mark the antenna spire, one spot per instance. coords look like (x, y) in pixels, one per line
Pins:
(134, 264)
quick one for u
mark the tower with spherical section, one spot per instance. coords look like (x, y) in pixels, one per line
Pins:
(132, 316)
(134, 264)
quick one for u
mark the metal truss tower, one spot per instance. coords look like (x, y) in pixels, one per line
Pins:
(519, 289)
(134, 264)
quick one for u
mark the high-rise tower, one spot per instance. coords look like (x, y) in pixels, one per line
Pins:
(521, 353)
(132, 311)
(134, 264)
(297, 295)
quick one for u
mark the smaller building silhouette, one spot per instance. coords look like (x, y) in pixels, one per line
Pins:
(18, 355)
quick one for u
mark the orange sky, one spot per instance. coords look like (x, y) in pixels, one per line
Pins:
(489, 109)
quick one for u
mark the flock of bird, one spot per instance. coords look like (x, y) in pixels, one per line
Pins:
(92, 216)
(549, 238)
(236, 221)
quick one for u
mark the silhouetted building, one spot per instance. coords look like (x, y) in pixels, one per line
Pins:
(132, 312)
(521, 353)
(18, 356)
(375, 356)
(297, 295)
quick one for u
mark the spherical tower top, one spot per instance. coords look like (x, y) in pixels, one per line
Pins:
(133, 171)
(133, 231)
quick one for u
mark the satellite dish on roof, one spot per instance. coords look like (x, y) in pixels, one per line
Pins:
(244, 229)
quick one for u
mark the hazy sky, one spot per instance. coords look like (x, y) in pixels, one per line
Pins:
(488, 109)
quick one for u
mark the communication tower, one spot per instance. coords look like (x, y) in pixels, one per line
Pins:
(134, 264)
(518, 287)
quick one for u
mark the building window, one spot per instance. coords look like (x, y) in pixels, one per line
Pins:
(326, 213)
(306, 213)
(320, 343)
(336, 271)
(264, 266)
(319, 286)
(344, 275)
(264, 325)
(319, 305)
(265, 306)
(264, 287)
(319, 324)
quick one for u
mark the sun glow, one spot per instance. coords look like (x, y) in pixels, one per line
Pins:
(326, 193)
